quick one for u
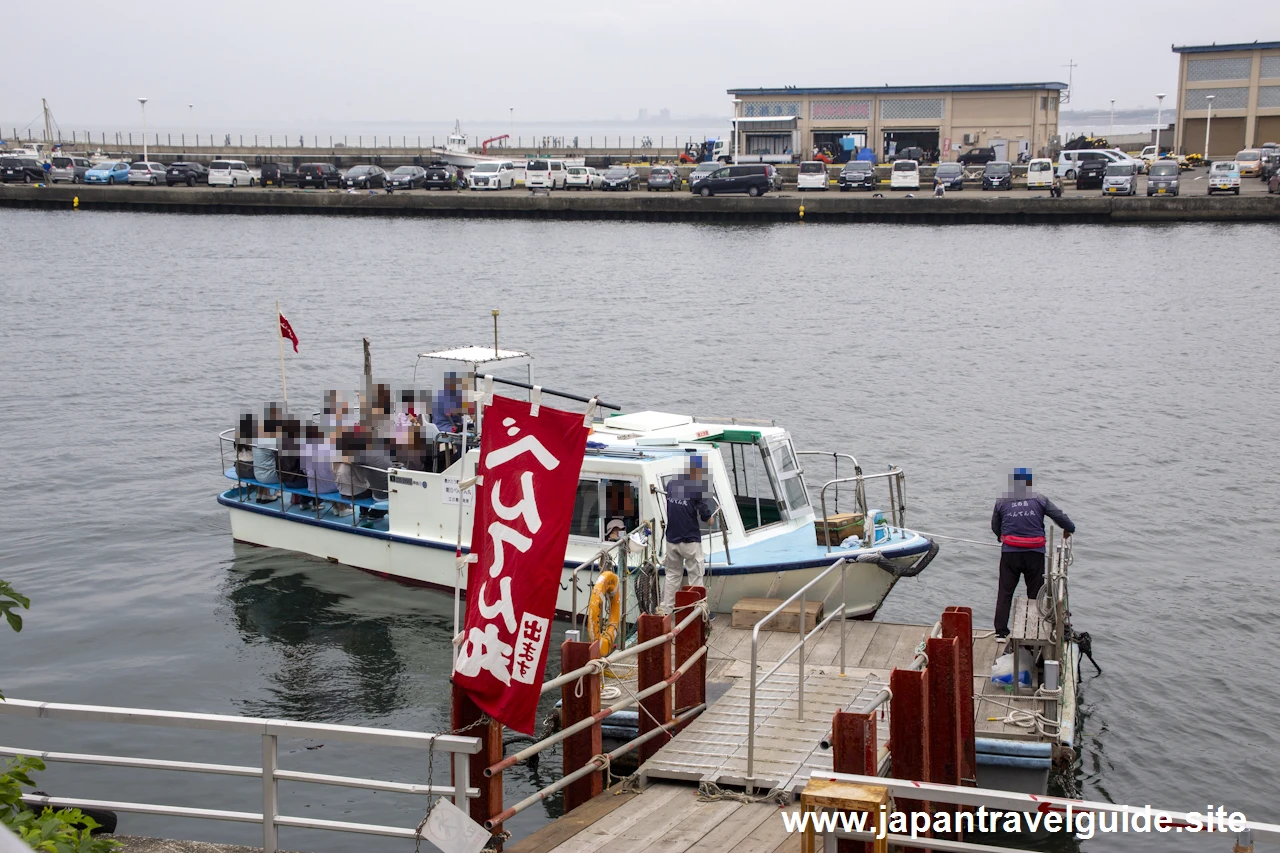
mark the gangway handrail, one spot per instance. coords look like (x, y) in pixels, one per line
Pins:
(802, 595)
(458, 746)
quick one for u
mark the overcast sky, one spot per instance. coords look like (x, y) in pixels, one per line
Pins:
(316, 63)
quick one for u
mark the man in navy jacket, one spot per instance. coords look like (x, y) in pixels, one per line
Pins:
(686, 504)
(1018, 522)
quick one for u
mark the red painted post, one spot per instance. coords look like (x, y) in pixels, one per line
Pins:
(579, 700)
(909, 731)
(652, 666)
(463, 713)
(958, 622)
(853, 750)
(691, 688)
(944, 712)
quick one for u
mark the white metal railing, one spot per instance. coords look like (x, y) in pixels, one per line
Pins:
(457, 747)
(896, 481)
(802, 594)
(1009, 801)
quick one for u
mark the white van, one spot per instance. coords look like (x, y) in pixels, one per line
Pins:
(493, 175)
(1040, 174)
(230, 173)
(812, 176)
(1069, 161)
(548, 174)
(905, 175)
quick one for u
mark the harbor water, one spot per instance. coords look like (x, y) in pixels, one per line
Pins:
(1133, 368)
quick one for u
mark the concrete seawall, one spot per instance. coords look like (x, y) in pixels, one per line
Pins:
(652, 207)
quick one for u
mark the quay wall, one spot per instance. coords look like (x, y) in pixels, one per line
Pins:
(651, 207)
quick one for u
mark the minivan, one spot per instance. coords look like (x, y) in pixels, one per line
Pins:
(997, 175)
(751, 179)
(1040, 174)
(1162, 178)
(905, 175)
(1121, 179)
(549, 174)
(229, 173)
(812, 176)
(1069, 161)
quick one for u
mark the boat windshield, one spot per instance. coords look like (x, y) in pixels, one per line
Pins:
(767, 482)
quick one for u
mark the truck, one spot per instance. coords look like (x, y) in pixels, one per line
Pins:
(708, 151)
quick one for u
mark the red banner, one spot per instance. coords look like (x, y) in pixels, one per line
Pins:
(530, 458)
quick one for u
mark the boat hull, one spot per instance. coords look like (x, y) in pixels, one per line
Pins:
(425, 562)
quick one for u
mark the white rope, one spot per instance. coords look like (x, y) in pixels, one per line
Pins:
(955, 538)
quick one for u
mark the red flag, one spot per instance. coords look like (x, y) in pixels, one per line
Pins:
(286, 331)
(529, 470)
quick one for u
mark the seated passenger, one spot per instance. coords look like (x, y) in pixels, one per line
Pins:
(374, 461)
(266, 457)
(246, 434)
(318, 455)
(410, 451)
(447, 405)
(291, 457)
(352, 484)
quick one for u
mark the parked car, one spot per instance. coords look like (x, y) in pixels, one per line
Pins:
(859, 175)
(69, 169)
(977, 157)
(1121, 179)
(318, 175)
(620, 178)
(1040, 174)
(1224, 176)
(1122, 157)
(546, 174)
(1249, 162)
(107, 172)
(441, 176)
(752, 179)
(664, 178)
(701, 171)
(1090, 173)
(911, 152)
(583, 178)
(905, 175)
(950, 175)
(1273, 183)
(278, 175)
(365, 177)
(229, 173)
(146, 173)
(1162, 178)
(1069, 162)
(406, 178)
(997, 175)
(186, 173)
(1270, 163)
(22, 170)
(493, 176)
(812, 176)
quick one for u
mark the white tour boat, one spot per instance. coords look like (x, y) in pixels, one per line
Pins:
(766, 541)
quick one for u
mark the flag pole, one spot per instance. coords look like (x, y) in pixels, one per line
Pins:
(284, 386)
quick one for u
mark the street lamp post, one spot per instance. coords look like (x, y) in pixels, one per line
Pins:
(511, 128)
(1207, 118)
(1111, 126)
(191, 110)
(1159, 122)
(143, 101)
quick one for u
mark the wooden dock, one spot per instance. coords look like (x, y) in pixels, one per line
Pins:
(670, 815)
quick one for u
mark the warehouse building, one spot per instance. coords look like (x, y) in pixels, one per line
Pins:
(1240, 84)
(1013, 118)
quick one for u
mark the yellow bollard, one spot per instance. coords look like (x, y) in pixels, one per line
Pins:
(802, 213)
(75, 202)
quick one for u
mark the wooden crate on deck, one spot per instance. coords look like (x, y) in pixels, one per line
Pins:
(838, 527)
(748, 611)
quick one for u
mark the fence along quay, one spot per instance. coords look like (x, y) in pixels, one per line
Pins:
(793, 707)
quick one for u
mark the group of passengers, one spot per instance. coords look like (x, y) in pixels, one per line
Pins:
(348, 448)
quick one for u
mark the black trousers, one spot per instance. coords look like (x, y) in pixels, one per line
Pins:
(1028, 565)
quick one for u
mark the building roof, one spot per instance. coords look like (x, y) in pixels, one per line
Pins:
(899, 90)
(1224, 48)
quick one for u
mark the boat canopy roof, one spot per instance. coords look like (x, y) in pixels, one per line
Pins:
(654, 429)
(477, 356)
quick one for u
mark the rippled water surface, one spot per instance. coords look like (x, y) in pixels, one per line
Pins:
(1135, 369)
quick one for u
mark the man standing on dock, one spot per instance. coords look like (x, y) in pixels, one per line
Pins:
(686, 504)
(1018, 522)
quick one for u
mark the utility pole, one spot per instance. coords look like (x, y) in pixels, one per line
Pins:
(1070, 66)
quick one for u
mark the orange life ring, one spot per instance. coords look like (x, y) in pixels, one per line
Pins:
(604, 612)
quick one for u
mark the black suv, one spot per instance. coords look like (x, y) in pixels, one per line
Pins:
(977, 156)
(1090, 174)
(997, 175)
(318, 175)
(278, 175)
(857, 174)
(186, 173)
(752, 180)
(442, 176)
(24, 170)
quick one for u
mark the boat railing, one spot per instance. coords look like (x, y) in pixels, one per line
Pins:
(803, 595)
(605, 557)
(457, 751)
(860, 493)
(896, 481)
